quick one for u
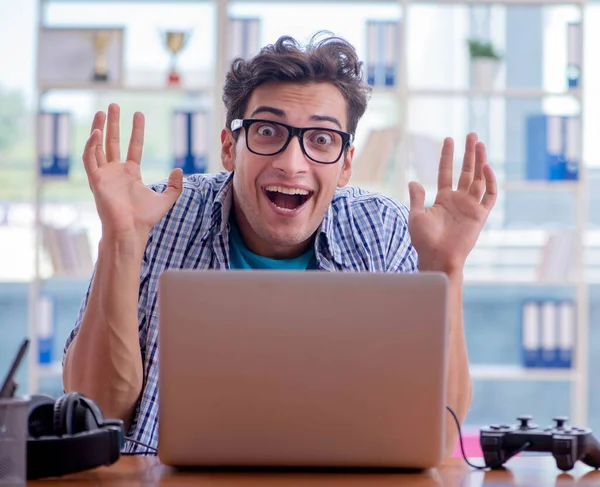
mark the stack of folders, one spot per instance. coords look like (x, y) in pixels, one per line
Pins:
(190, 140)
(553, 147)
(383, 43)
(54, 143)
(244, 37)
(548, 333)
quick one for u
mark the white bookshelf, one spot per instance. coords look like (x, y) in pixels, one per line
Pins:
(508, 93)
(516, 373)
(402, 94)
(494, 239)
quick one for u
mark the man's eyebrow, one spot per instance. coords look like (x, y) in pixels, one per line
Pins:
(265, 109)
(326, 118)
(278, 112)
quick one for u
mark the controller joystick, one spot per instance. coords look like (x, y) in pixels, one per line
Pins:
(567, 444)
(526, 423)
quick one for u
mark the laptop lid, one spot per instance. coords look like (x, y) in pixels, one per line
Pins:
(302, 369)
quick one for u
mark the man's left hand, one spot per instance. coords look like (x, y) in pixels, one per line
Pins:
(445, 233)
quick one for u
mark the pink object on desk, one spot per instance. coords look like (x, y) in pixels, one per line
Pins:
(471, 445)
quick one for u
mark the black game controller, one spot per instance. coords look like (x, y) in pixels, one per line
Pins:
(567, 444)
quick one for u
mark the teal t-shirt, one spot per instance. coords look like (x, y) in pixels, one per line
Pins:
(240, 257)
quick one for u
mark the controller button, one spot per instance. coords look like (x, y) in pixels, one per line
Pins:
(491, 441)
(563, 447)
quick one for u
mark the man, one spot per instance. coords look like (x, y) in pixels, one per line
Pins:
(282, 203)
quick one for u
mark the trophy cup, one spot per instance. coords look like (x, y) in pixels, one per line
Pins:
(175, 42)
(101, 41)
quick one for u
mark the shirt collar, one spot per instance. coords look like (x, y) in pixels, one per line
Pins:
(326, 237)
(221, 208)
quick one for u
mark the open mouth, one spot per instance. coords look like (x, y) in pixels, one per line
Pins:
(287, 199)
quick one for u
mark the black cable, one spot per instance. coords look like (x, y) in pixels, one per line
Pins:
(148, 447)
(462, 448)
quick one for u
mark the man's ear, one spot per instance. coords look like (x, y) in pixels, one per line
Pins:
(227, 150)
(347, 169)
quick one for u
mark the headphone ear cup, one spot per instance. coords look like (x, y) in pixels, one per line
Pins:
(63, 414)
(40, 417)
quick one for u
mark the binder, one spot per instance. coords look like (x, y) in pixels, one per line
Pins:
(54, 142)
(390, 52)
(552, 147)
(382, 52)
(549, 334)
(372, 52)
(45, 328)
(572, 147)
(530, 333)
(190, 141)
(566, 334)
(244, 38)
(574, 56)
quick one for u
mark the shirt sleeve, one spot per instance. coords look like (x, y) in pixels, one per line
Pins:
(401, 255)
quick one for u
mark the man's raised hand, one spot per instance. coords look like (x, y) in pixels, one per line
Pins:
(126, 206)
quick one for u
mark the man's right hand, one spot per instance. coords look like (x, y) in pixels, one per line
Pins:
(127, 208)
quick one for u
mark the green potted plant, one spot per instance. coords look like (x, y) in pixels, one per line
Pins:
(485, 62)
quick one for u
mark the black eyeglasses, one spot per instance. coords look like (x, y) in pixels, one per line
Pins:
(267, 138)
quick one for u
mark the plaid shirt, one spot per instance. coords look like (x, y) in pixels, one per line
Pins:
(361, 231)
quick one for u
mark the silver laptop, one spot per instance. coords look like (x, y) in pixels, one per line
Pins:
(301, 369)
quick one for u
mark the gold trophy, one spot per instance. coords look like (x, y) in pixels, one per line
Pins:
(101, 41)
(175, 42)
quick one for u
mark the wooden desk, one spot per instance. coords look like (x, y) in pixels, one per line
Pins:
(134, 471)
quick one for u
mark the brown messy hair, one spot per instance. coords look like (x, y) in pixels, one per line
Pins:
(329, 59)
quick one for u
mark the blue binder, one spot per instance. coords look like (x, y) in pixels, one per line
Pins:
(547, 333)
(190, 141)
(382, 52)
(54, 138)
(552, 147)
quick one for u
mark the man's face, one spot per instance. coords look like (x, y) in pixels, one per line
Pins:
(280, 200)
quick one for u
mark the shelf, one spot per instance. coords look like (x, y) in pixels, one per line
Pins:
(517, 282)
(515, 372)
(507, 93)
(558, 185)
(178, 90)
(500, 2)
(46, 2)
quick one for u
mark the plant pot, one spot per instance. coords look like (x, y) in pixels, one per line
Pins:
(484, 71)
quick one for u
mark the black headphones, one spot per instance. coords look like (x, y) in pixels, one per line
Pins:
(69, 435)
